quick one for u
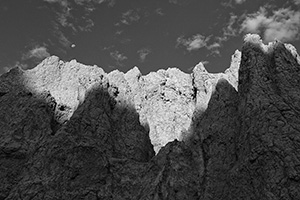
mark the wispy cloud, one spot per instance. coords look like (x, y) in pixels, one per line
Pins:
(60, 36)
(110, 3)
(67, 21)
(62, 2)
(9, 67)
(214, 48)
(283, 24)
(199, 41)
(29, 59)
(5, 69)
(297, 2)
(181, 2)
(143, 53)
(63, 14)
(196, 42)
(82, 2)
(231, 29)
(240, 1)
(130, 16)
(87, 27)
(37, 53)
(232, 3)
(173, 1)
(105, 48)
(159, 11)
(118, 57)
(119, 32)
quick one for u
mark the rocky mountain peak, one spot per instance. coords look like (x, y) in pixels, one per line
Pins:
(71, 131)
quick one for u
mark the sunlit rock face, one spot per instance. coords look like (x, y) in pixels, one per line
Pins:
(165, 100)
(70, 131)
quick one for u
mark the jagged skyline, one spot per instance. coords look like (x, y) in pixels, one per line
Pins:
(70, 131)
(116, 34)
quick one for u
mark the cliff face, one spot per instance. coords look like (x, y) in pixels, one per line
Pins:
(69, 131)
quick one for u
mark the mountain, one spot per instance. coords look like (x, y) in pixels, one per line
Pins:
(70, 131)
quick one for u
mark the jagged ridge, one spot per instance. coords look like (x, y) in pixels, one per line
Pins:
(70, 131)
(165, 100)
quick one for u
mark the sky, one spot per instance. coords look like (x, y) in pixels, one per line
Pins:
(149, 34)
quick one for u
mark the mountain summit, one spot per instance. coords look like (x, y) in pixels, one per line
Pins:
(71, 131)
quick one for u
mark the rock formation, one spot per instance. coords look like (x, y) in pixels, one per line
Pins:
(70, 131)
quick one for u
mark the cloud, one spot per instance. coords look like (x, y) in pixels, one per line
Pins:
(297, 2)
(60, 36)
(173, 1)
(231, 29)
(199, 41)
(64, 13)
(82, 2)
(105, 48)
(110, 3)
(66, 19)
(205, 62)
(62, 2)
(239, 1)
(118, 57)
(7, 68)
(129, 17)
(119, 32)
(230, 3)
(159, 11)
(283, 24)
(181, 2)
(214, 48)
(28, 59)
(37, 53)
(143, 53)
(196, 42)
(87, 27)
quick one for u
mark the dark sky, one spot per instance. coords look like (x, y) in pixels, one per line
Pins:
(150, 34)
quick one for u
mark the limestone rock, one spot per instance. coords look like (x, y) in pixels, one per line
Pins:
(214, 137)
(69, 131)
(66, 82)
(41, 158)
(267, 143)
(167, 103)
(166, 100)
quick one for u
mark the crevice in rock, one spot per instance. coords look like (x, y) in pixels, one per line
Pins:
(54, 125)
(194, 95)
(2, 93)
(205, 145)
(238, 148)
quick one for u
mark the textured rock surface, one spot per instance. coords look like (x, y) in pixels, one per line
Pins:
(69, 131)
(165, 100)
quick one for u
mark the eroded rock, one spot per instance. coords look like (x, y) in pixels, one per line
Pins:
(75, 132)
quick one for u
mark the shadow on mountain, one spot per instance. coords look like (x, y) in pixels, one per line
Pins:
(242, 146)
(199, 167)
(44, 159)
(103, 152)
(213, 135)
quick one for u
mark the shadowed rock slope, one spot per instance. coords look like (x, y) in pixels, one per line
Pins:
(70, 131)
